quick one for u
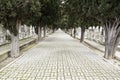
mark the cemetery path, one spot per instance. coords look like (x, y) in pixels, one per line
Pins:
(60, 57)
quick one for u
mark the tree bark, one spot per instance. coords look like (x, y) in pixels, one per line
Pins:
(44, 28)
(53, 29)
(82, 34)
(102, 32)
(15, 42)
(39, 33)
(112, 38)
(71, 32)
(74, 32)
(14, 46)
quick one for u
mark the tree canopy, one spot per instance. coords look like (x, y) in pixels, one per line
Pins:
(66, 13)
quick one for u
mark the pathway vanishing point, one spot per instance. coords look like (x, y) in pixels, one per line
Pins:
(60, 57)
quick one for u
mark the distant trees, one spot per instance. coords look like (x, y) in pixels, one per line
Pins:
(50, 12)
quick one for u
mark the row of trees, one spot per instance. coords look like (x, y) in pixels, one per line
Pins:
(38, 13)
(68, 14)
(86, 13)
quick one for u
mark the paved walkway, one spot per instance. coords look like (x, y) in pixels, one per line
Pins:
(60, 57)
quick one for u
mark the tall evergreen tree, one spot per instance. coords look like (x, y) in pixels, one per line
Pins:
(11, 15)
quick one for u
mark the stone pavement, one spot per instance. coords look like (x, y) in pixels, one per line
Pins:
(60, 57)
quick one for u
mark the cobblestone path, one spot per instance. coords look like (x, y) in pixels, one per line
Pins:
(60, 57)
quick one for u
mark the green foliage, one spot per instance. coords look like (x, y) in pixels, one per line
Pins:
(13, 12)
(50, 12)
(34, 9)
(91, 12)
(71, 13)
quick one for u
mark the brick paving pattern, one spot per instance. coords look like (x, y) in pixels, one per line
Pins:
(60, 57)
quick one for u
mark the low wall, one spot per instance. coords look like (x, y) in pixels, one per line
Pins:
(5, 54)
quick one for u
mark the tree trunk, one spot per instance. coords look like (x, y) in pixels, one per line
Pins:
(53, 29)
(82, 34)
(71, 32)
(74, 32)
(102, 32)
(39, 33)
(14, 46)
(15, 42)
(112, 38)
(44, 28)
(67, 30)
